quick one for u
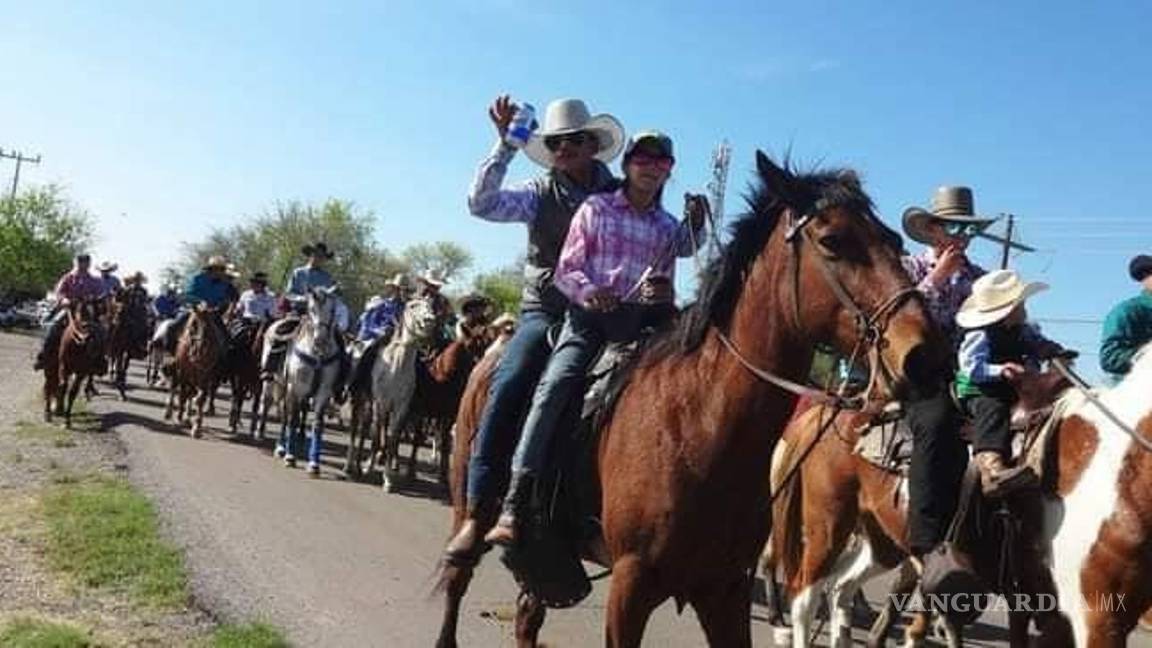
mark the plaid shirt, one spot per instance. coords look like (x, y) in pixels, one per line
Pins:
(943, 302)
(609, 245)
(79, 285)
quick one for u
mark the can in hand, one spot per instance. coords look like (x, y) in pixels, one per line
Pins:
(522, 126)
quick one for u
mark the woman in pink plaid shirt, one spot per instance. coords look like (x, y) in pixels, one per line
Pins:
(617, 269)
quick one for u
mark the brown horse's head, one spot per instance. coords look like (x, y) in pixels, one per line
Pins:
(848, 287)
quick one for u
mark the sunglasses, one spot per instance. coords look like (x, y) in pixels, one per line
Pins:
(553, 142)
(661, 162)
(967, 230)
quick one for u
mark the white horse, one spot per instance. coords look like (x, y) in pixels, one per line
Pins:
(393, 384)
(311, 371)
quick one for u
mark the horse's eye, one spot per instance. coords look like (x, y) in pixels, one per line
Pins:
(833, 243)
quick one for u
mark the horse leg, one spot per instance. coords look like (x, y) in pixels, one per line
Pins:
(316, 443)
(202, 395)
(122, 375)
(773, 594)
(529, 618)
(419, 436)
(444, 433)
(724, 613)
(351, 460)
(72, 392)
(257, 397)
(854, 567)
(905, 582)
(396, 425)
(454, 581)
(631, 599)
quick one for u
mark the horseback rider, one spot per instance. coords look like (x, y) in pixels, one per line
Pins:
(110, 283)
(943, 275)
(210, 287)
(998, 348)
(256, 304)
(381, 316)
(474, 317)
(430, 282)
(1128, 327)
(573, 146)
(76, 284)
(134, 286)
(295, 300)
(167, 304)
(616, 273)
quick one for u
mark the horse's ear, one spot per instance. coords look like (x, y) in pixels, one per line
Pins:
(777, 180)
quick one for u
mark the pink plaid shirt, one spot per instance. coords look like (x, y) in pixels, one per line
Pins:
(610, 244)
(78, 285)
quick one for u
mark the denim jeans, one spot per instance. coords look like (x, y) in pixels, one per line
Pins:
(585, 333)
(512, 383)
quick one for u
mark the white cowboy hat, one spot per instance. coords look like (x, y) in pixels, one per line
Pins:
(374, 302)
(949, 204)
(570, 116)
(399, 281)
(215, 261)
(107, 266)
(434, 277)
(994, 296)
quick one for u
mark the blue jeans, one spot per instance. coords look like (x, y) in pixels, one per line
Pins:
(585, 333)
(515, 377)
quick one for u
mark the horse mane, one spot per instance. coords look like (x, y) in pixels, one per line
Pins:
(1128, 398)
(722, 281)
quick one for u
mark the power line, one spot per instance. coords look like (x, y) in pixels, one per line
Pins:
(20, 158)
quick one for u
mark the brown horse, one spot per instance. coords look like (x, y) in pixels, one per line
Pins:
(79, 357)
(243, 373)
(439, 388)
(195, 367)
(127, 334)
(684, 455)
(828, 493)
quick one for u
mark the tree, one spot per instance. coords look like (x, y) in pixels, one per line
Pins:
(503, 286)
(445, 256)
(40, 231)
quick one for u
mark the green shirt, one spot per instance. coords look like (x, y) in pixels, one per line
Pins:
(1126, 329)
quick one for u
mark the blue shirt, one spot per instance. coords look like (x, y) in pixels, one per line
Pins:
(205, 288)
(306, 278)
(166, 306)
(381, 319)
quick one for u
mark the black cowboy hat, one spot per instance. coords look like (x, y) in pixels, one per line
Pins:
(317, 249)
(1140, 267)
(259, 277)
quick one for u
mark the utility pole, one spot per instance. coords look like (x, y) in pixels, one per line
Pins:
(20, 158)
(1007, 241)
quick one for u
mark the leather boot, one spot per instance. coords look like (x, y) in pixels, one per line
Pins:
(466, 547)
(515, 504)
(997, 479)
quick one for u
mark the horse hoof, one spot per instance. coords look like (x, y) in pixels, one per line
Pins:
(289, 461)
(313, 469)
(782, 636)
(279, 451)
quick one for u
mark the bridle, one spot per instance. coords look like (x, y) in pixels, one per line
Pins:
(871, 328)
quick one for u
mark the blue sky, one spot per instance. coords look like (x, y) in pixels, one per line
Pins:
(167, 119)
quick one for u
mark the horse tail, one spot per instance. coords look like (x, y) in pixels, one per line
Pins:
(785, 549)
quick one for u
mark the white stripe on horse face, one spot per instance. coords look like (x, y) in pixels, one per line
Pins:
(1094, 499)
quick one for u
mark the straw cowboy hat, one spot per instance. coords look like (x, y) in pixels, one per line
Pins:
(570, 116)
(317, 249)
(107, 266)
(949, 204)
(232, 271)
(215, 261)
(398, 281)
(505, 319)
(994, 296)
(433, 277)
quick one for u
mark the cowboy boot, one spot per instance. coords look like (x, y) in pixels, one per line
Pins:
(997, 479)
(515, 504)
(466, 547)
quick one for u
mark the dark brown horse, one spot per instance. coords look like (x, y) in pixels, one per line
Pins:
(828, 493)
(684, 455)
(127, 334)
(243, 373)
(79, 358)
(196, 366)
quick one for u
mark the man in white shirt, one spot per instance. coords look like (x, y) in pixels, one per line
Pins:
(257, 304)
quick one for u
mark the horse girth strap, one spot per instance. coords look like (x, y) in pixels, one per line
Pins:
(313, 361)
(1084, 389)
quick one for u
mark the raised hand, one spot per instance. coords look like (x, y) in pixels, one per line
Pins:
(501, 113)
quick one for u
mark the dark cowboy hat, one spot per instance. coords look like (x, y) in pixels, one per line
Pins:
(1140, 267)
(950, 205)
(259, 277)
(318, 249)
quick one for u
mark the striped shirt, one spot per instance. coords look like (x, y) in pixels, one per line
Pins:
(610, 244)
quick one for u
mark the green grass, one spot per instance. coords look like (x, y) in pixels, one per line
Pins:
(103, 533)
(249, 635)
(44, 432)
(33, 633)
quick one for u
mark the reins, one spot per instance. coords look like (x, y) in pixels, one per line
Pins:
(1085, 389)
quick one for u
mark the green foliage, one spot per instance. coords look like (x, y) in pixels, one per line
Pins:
(40, 232)
(251, 635)
(34, 633)
(104, 533)
(503, 286)
(447, 257)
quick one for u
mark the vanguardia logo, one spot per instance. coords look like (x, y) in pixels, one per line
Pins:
(964, 603)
